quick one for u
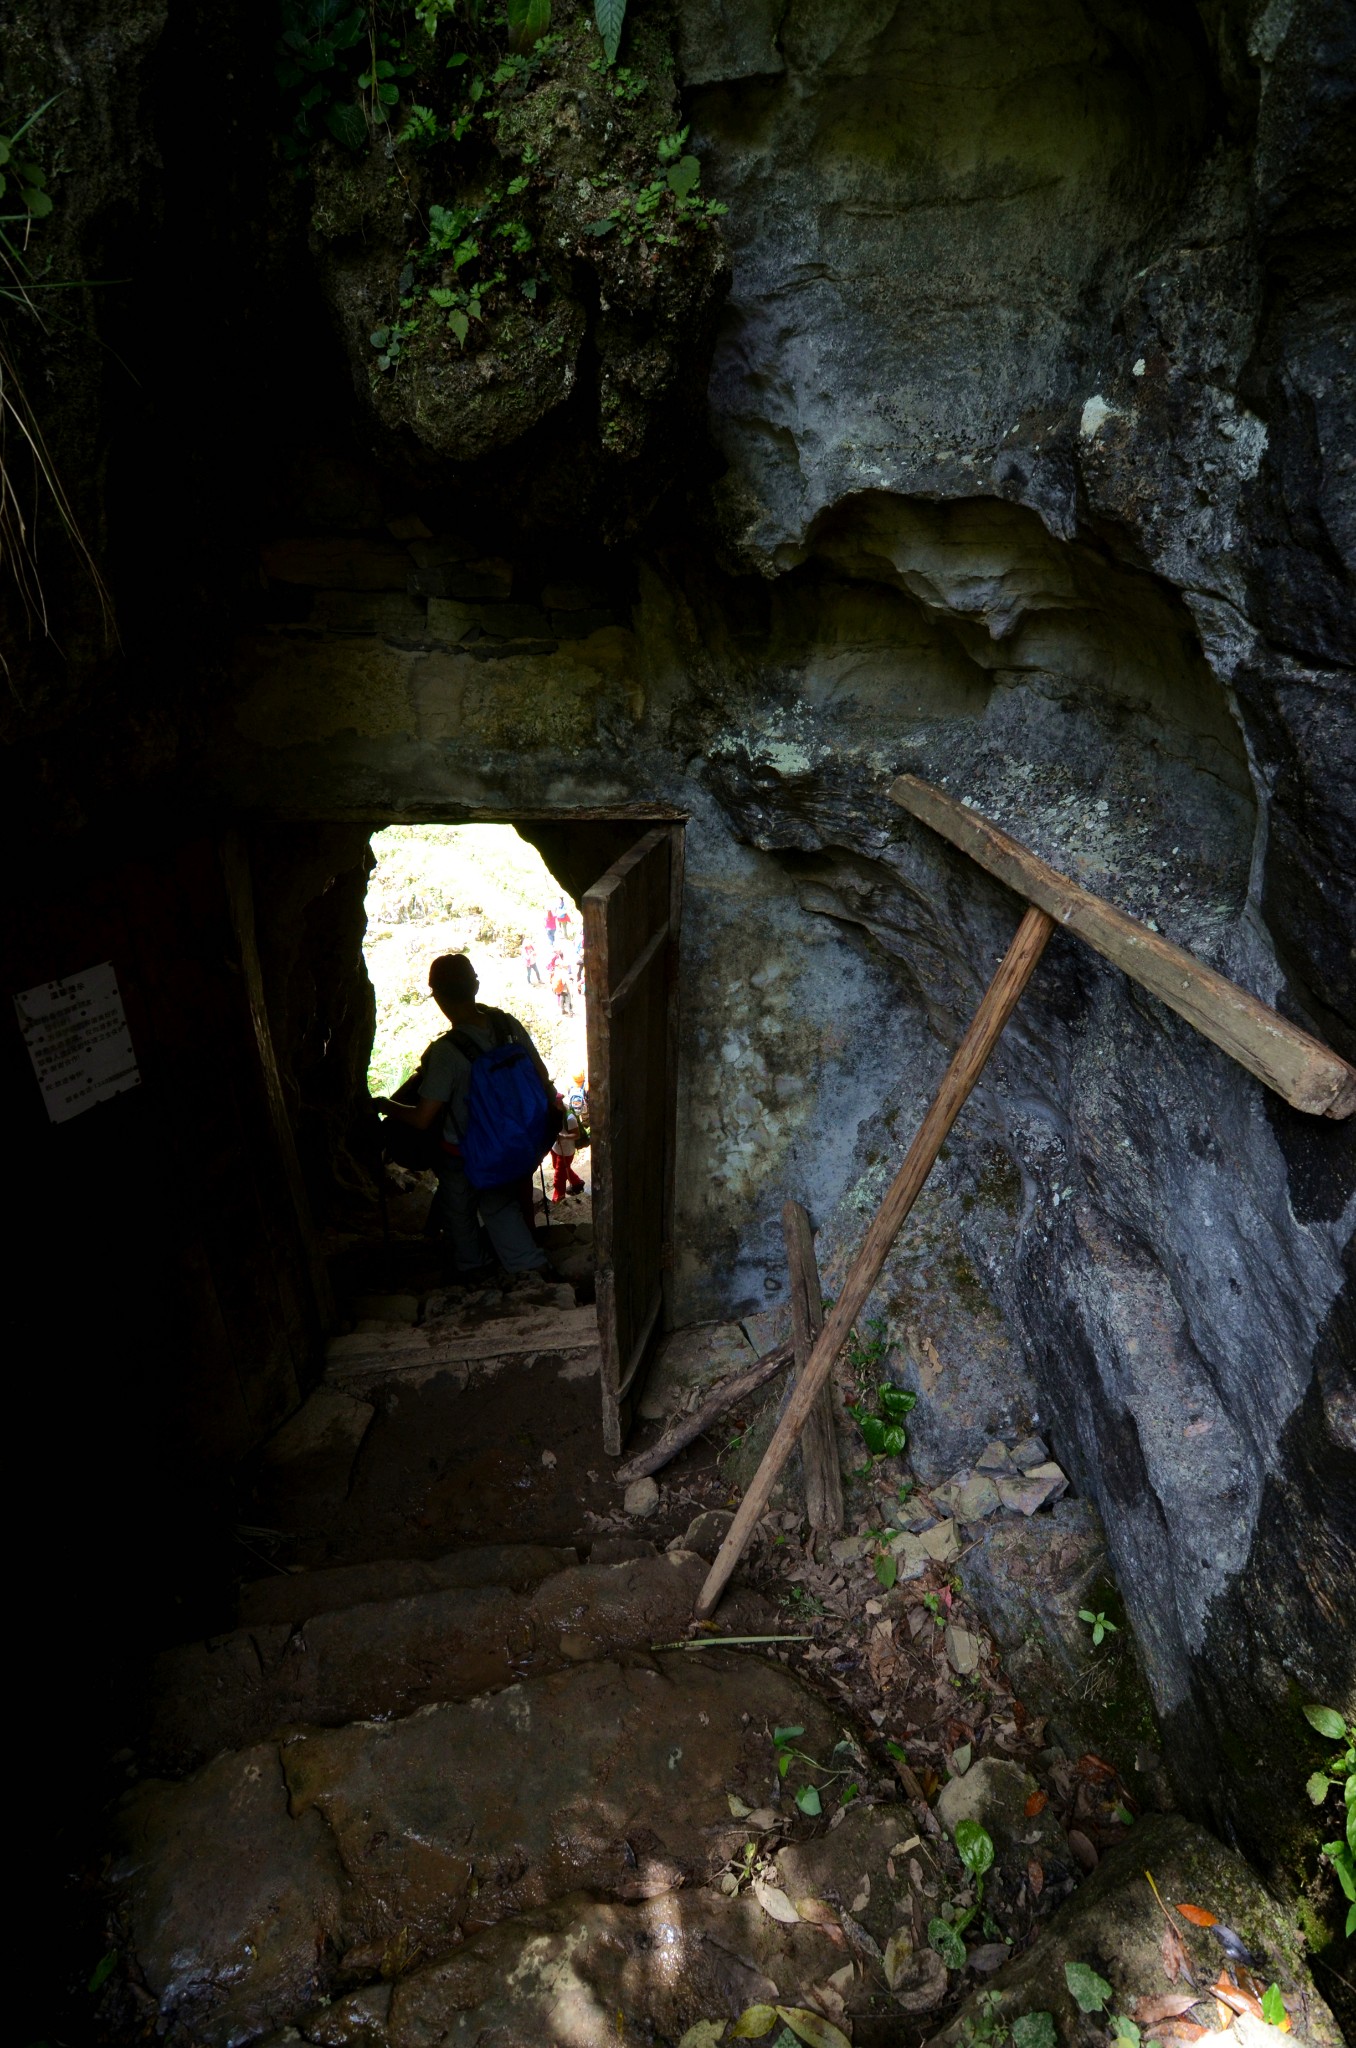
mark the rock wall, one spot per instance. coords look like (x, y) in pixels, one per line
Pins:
(1029, 394)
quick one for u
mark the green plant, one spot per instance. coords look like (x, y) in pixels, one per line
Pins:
(610, 16)
(1098, 1623)
(1339, 1773)
(974, 1846)
(1091, 1994)
(884, 1433)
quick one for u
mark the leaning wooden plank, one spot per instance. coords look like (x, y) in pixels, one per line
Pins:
(1307, 1073)
(687, 1428)
(819, 1452)
(986, 1028)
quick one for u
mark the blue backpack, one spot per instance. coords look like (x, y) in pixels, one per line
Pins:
(510, 1118)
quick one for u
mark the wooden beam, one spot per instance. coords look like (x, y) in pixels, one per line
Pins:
(626, 987)
(819, 1452)
(1000, 1000)
(687, 1428)
(1298, 1067)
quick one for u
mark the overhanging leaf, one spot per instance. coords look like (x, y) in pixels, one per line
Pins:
(528, 21)
(896, 1402)
(609, 15)
(808, 1800)
(1327, 1721)
(1317, 1787)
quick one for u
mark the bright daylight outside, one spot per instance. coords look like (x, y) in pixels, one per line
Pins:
(483, 891)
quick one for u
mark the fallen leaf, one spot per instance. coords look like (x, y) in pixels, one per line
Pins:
(1167, 2005)
(1171, 2032)
(842, 1980)
(812, 2027)
(990, 1955)
(738, 1807)
(1090, 1765)
(704, 2034)
(863, 1898)
(1083, 1849)
(754, 2022)
(1036, 1804)
(1176, 1962)
(922, 1983)
(1197, 1915)
(817, 1911)
(898, 1955)
(1035, 1877)
(1235, 1998)
(775, 1903)
(829, 2001)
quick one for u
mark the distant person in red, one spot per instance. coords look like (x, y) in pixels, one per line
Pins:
(530, 957)
(549, 921)
(565, 1180)
(563, 916)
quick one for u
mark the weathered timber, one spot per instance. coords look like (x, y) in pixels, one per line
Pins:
(687, 1428)
(1309, 1075)
(819, 1452)
(999, 1002)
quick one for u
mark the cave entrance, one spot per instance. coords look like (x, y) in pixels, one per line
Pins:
(573, 928)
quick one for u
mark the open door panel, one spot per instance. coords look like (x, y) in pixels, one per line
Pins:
(631, 945)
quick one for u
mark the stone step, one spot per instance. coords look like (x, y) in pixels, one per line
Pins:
(386, 1657)
(245, 1887)
(366, 1357)
(298, 1596)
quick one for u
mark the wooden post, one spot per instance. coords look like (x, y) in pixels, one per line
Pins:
(1309, 1075)
(1000, 1000)
(819, 1451)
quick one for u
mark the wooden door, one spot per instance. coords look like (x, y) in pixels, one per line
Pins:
(631, 948)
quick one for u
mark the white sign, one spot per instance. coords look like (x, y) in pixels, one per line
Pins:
(77, 1038)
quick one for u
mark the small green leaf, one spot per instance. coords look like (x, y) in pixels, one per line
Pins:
(459, 324)
(605, 227)
(1089, 1991)
(948, 1944)
(848, 1795)
(887, 1569)
(684, 176)
(1124, 1816)
(974, 1846)
(1327, 1721)
(39, 204)
(808, 1800)
(346, 123)
(898, 1752)
(4, 149)
(787, 1733)
(896, 1402)
(103, 1970)
(783, 1762)
(379, 336)
(1035, 2030)
(1318, 1787)
(610, 15)
(1125, 2030)
(1273, 2006)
